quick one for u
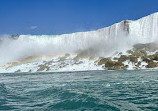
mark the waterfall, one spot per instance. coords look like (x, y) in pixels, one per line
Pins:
(102, 42)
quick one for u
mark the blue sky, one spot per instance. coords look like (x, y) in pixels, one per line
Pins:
(67, 16)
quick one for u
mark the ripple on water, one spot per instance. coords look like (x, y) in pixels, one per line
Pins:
(94, 90)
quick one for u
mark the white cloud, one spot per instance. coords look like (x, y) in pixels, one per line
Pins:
(33, 27)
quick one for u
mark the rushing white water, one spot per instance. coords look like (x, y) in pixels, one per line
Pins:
(145, 29)
(103, 42)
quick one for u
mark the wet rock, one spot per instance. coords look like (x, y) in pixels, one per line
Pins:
(123, 58)
(103, 61)
(145, 59)
(129, 51)
(151, 64)
(18, 71)
(113, 65)
(156, 57)
(115, 58)
(139, 53)
(133, 59)
(138, 64)
(125, 67)
(109, 63)
(43, 67)
(114, 68)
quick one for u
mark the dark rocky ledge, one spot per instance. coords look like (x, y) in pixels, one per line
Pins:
(141, 53)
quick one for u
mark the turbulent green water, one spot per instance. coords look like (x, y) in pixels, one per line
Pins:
(91, 90)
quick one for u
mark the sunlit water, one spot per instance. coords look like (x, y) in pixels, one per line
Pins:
(91, 90)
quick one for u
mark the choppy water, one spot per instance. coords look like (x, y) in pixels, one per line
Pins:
(91, 90)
